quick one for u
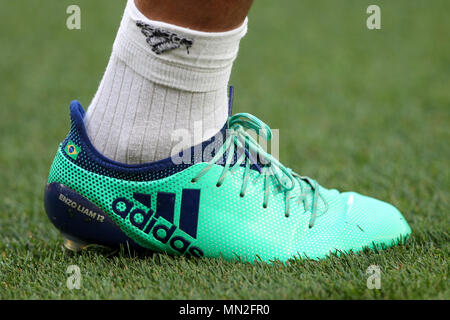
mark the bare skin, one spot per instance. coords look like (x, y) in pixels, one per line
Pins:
(201, 15)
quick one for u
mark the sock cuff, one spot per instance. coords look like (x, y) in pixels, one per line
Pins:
(174, 56)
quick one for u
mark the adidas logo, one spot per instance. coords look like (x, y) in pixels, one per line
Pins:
(147, 221)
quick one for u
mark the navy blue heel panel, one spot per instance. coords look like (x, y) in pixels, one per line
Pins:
(74, 215)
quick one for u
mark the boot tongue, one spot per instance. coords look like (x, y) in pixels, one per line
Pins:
(230, 101)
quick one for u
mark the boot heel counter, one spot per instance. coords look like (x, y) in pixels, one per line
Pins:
(79, 218)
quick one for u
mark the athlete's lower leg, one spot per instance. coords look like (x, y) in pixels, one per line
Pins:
(167, 72)
(210, 16)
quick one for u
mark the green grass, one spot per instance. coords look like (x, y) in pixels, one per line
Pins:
(357, 109)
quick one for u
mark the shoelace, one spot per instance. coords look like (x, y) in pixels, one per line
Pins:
(285, 178)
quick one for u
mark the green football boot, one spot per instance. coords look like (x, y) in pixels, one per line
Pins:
(224, 198)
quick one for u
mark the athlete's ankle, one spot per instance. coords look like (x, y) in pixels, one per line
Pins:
(161, 78)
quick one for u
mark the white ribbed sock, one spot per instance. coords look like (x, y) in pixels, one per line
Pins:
(159, 80)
